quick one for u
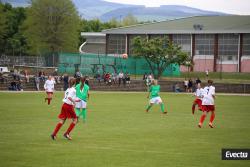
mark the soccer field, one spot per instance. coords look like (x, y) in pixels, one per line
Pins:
(119, 133)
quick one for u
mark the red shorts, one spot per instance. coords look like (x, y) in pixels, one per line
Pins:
(67, 111)
(198, 102)
(208, 108)
(49, 93)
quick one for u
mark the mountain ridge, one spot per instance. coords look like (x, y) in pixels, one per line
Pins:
(105, 11)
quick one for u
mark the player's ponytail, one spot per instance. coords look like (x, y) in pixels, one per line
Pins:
(82, 82)
(72, 82)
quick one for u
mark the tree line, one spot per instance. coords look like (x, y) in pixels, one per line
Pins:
(47, 27)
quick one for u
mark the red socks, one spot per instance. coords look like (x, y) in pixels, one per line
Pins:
(212, 117)
(204, 116)
(193, 108)
(71, 127)
(49, 100)
(202, 119)
(58, 126)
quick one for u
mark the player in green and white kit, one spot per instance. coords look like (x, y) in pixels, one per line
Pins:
(82, 92)
(154, 97)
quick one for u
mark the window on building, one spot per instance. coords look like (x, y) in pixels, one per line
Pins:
(246, 45)
(116, 44)
(204, 44)
(228, 46)
(184, 40)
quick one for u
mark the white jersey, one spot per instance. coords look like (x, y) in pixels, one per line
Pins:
(49, 85)
(208, 93)
(199, 93)
(70, 92)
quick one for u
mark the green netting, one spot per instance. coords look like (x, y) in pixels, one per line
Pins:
(91, 64)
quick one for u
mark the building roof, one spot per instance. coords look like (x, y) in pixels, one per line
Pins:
(190, 25)
(93, 34)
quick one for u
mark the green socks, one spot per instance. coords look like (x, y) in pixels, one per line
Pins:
(82, 113)
(78, 112)
(162, 107)
(149, 106)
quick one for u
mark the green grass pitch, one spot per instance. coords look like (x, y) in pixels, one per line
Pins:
(119, 133)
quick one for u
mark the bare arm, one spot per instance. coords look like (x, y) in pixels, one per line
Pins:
(73, 101)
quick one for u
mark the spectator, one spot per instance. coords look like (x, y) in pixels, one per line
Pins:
(108, 78)
(127, 78)
(198, 80)
(207, 73)
(42, 76)
(177, 88)
(185, 85)
(37, 82)
(98, 77)
(26, 75)
(65, 82)
(144, 76)
(124, 80)
(15, 74)
(114, 78)
(120, 77)
(19, 85)
(13, 85)
(190, 85)
(55, 75)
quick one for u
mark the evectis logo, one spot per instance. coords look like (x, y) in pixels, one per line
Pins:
(235, 154)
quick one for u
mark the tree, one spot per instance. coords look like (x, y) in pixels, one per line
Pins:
(129, 20)
(159, 53)
(52, 26)
(3, 27)
(12, 40)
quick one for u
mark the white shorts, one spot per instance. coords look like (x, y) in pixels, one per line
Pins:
(155, 100)
(81, 104)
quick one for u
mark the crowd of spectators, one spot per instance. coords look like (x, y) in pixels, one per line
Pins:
(107, 78)
(187, 86)
(114, 78)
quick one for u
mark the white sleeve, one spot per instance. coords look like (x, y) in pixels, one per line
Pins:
(45, 85)
(213, 91)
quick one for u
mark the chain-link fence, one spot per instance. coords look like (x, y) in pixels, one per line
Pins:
(92, 64)
(22, 60)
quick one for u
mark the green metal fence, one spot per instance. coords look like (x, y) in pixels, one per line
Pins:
(91, 64)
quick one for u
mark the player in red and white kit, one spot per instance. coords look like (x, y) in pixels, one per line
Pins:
(67, 110)
(208, 104)
(198, 98)
(49, 88)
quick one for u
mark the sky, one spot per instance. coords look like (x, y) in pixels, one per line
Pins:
(241, 7)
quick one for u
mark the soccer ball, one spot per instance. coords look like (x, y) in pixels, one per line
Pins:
(125, 56)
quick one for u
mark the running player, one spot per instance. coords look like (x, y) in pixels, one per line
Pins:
(82, 92)
(154, 97)
(49, 88)
(208, 104)
(198, 97)
(67, 111)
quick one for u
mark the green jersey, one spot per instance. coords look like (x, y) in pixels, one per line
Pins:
(154, 91)
(82, 94)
